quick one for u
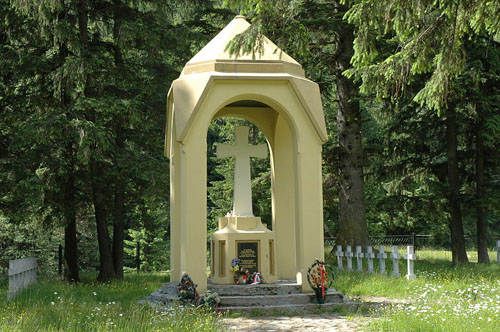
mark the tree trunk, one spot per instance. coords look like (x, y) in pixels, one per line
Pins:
(71, 272)
(459, 255)
(352, 228)
(119, 204)
(106, 268)
(70, 239)
(482, 226)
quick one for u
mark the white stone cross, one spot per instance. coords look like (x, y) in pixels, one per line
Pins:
(348, 256)
(369, 258)
(359, 258)
(381, 258)
(395, 261)
(497, 248)
(339, 255)
(410, 258)
(242, 151)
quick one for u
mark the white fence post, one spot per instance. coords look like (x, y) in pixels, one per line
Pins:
(369, 258)
(395, 264)
(22, 273)
(381, 258)
(359, 258)
(497, 248)
(348, 256)
(410, 259)
(339, 255)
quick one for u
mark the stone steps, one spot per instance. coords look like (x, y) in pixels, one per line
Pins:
(283, 309)
(306, 298)
(264, 299)
(255, 290)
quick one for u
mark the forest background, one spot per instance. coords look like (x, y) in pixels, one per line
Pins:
(410, 91)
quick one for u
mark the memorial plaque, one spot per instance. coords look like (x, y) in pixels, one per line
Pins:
(248, 253)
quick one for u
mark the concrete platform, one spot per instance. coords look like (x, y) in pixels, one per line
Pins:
(280, 298)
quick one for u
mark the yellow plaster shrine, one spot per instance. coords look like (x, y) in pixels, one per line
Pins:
(269, 90)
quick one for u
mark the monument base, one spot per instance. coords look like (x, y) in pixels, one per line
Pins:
(246, 239)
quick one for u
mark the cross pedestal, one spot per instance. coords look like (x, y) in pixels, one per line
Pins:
(247, 239)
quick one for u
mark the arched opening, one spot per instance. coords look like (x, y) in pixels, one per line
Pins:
(273, 178)
(220, 172)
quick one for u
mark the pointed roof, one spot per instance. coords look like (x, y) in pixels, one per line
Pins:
(215, 57)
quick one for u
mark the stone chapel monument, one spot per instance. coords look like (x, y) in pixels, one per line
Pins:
(270, 90)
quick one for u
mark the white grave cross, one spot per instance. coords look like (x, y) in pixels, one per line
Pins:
(395, 258)
(382, 256)
(242, 151)
(359, 258)
(339, 254)
(497, 249)
(410, 258)
(370, 256)
(348, 255)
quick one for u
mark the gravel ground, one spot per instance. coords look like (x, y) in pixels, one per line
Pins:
(308, 323)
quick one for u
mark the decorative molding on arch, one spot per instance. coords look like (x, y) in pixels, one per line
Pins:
(187, 95)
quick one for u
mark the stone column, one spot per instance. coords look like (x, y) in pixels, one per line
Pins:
(175, 211)
(282, 183)
(193, 209)
(309, 235)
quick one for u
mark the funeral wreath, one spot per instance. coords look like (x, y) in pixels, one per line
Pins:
(320, 277)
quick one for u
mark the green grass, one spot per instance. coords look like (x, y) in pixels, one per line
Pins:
(52, 305)
(442, 298)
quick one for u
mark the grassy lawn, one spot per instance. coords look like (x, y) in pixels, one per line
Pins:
(52, 305)
(442, 298)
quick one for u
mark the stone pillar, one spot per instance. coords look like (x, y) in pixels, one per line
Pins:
(348, 256)
(369, 258)
(381, 258)
(359, 258)
(309, 235)
(339, 255)
(193, 239)
(410, 259)
(282, 183)
(175, 212)
(395, 261)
